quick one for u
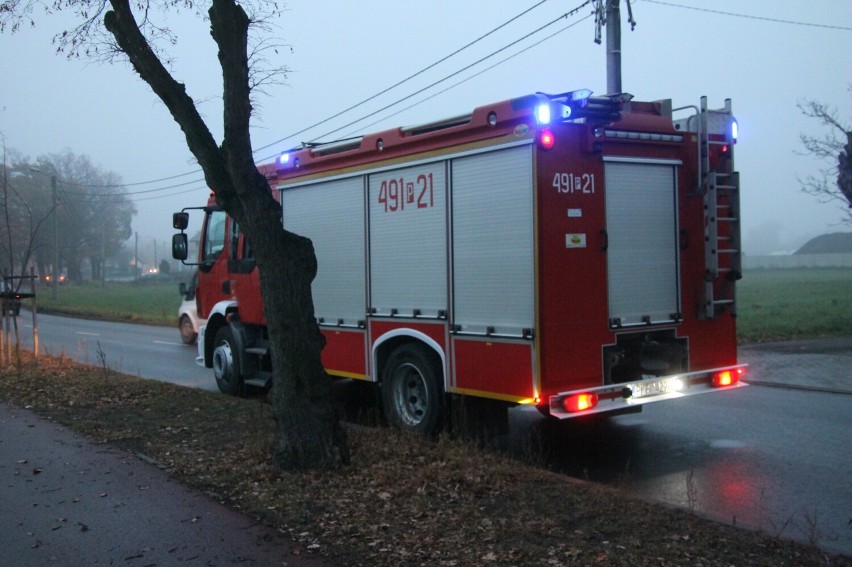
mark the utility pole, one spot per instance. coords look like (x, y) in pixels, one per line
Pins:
(610, 16)
(136, 258)
(613, 47)
(103, 251)
(56, 268)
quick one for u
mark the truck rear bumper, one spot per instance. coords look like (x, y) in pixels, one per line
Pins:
(615, 397)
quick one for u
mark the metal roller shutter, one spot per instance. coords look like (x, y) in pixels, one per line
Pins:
(331, 214)
(408, 241)
(493, 248)
(642, 259)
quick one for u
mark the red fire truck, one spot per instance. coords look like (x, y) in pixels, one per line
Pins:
(571, 252)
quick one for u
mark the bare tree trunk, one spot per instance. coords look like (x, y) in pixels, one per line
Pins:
(310, 433)
(309, 428)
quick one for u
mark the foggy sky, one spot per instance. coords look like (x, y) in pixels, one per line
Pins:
(341, 53)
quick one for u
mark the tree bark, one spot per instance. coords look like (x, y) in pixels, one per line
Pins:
(309, 428)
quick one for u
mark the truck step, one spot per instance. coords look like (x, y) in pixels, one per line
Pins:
(259, 380)
(258, 347)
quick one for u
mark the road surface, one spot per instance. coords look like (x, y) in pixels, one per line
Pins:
(768, 458)
(139, 350)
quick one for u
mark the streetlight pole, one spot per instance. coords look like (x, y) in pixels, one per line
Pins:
(56, 268)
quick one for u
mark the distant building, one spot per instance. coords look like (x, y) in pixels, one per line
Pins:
(825, 251)
(835, 243)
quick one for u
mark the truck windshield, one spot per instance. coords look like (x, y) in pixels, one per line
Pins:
(214, 237)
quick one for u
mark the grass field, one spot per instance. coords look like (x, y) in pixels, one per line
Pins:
(794, 304)
(772, 304)
(140, 301)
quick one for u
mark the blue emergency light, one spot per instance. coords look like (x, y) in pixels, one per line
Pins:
(542, 113)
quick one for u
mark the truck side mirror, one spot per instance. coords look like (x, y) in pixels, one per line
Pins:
(180, 246)
(180, 220)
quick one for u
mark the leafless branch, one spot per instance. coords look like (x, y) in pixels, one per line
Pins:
(834, 149)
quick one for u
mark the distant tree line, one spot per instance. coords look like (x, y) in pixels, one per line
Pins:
(60, 206)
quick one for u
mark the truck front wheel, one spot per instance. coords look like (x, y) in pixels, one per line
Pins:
(411, 390)
(226, 363)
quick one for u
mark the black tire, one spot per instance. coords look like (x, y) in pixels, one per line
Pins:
(226, 363)
(412, 391)
(187, 333)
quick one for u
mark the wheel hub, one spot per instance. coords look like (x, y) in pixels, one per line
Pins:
(223, 362)
(410, 395)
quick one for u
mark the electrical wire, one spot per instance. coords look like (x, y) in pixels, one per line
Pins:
(373, 97)
(478, 73)
(749, 16)
(405, 80)
(124, 193)
(446, 78)
(420, 72)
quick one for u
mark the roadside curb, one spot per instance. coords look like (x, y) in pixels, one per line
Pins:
(816, 365)
(803, 387)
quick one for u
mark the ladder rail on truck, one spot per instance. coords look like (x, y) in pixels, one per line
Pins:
(561, 251)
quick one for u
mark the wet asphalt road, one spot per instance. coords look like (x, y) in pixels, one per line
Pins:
(773, 459)
(138, 350)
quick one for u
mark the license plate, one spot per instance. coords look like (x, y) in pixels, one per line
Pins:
(648, 388)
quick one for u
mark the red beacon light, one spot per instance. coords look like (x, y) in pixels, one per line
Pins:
(546, 139)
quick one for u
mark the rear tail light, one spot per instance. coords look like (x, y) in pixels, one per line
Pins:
(581, 402)
(725, 378)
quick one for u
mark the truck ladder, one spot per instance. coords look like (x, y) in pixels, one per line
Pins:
(721, 190)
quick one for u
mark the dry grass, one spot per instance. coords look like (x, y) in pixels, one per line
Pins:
(402, 501)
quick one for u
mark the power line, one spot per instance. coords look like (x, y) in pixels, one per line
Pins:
(749, 16)
(386, 90)
(448, 77)
(478, 73)
(193, 189)
(431, 66)
(125, 193)
(169, 178)
(368, 99)
(405, 80)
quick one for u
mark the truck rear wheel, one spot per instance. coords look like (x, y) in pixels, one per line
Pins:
(411, 390)
(226, 363)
